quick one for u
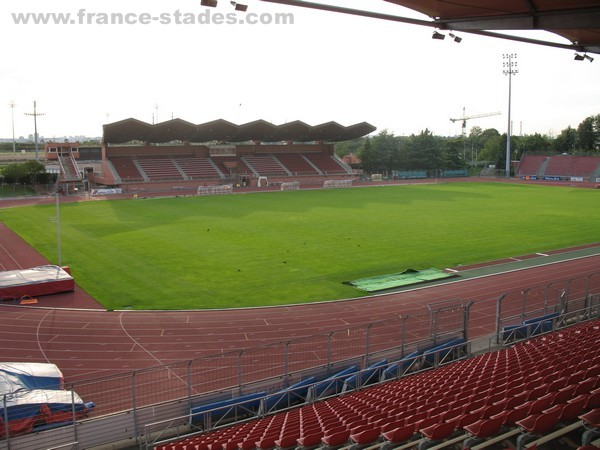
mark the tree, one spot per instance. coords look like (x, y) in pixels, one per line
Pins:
(493, 151)
(13, 173)
(29, 172)
(425, 151)
(386, 145)
(453, 154)
(530, 143)
(35, 171)
(348, 147)
(368, 158)
(380, 153)
(566, 140)
(588, 134)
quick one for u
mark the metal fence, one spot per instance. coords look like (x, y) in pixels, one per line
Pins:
(125, 403)
(522, 312)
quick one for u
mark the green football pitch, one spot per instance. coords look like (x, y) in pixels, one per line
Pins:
(273, 248)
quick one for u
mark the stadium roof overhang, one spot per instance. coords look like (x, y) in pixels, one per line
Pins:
(223, 131)
(575, 20)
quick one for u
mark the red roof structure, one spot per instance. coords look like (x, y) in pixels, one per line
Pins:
(578, 21)
(223, 131)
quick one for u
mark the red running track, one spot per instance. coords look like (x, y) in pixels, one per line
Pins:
(89, 342)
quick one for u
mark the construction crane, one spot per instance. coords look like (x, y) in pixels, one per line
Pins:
(464, 119)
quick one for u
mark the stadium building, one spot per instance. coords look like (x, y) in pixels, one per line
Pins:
(178, 155)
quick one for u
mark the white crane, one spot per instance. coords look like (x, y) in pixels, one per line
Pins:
(464, 119)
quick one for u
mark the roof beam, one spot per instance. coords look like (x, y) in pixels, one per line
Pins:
(553, 20)
(440, 24)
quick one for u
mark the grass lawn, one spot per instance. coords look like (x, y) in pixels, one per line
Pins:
(274, 248)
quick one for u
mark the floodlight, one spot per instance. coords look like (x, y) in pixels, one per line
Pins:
(438, 35)
(588, 57)
(578, 57)
(239, 6)
(211, 3)
(456, 38)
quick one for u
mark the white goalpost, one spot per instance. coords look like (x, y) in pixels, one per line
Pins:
(215, 190)
(290, 186)
(334, 184)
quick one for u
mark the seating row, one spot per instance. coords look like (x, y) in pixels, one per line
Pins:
(526, 390)
(157, 168)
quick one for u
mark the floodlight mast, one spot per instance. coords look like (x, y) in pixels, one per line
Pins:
(510, 69)
(12, 105)
(35, 115)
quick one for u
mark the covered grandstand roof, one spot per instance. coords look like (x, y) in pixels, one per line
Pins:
(576, 20)
(223, 131)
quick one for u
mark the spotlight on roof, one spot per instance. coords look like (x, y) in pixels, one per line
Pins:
(211, 3)
(438, 35)
(456, 38)
(579, 57)
(239, 6)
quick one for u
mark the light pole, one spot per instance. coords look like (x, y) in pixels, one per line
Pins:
(35, 137)
(12, 114)
(57, 194)
(510, 69)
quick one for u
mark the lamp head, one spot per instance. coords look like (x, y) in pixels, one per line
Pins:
(456, 38)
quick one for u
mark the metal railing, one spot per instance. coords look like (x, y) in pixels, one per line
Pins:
(520, 313)
(145, 396)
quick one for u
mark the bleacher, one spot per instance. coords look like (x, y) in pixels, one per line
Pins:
(560, 166)
(198, 168)
(157, 169)
(297, 164)
(530, 165)
(325, 163)
(583, 166)
(265, 165)
(531, 392)
(126, 168)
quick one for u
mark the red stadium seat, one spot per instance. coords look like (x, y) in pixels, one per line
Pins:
(485, 428)
(539, 423)
(537, 406)
(310, 441)
(400, 434)
(586, 386)
(337, 439)
(438, 431)
(592, 418)
(512, 416)
(287, 442)
(265, 443)
(593, 400)
(365, 437)
(564, 394)
(571, 410)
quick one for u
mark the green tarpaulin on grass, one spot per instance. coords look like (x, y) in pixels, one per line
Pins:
(394, 280)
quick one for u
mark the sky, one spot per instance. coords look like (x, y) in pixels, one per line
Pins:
(322, 67)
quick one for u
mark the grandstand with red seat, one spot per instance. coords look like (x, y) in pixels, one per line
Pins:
(559, 167)
(428, 408)
(137, 156)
